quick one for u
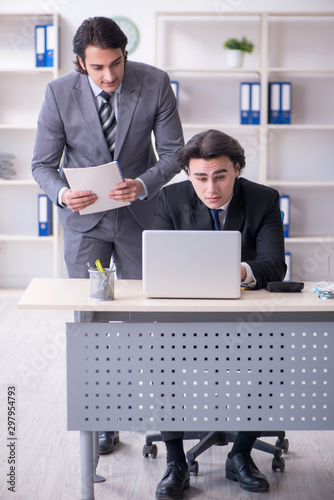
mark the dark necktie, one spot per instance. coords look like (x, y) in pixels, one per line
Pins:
(108, 121)
(215, 216)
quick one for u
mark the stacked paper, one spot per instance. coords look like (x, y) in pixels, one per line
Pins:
(6, 166)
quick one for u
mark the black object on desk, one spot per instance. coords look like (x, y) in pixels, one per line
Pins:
(285, 286)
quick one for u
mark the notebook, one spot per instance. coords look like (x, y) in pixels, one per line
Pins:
(191, 264)
(99, 180)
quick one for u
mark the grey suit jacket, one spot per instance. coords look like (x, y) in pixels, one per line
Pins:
(69, 131)
(253, 210)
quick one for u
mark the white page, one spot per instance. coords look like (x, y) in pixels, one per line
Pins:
(99, 180)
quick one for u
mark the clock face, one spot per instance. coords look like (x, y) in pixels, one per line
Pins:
(130, 30)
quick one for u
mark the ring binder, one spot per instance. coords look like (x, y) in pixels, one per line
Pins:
(279, 108)
(244, 103)
(250, 103)
(175, 87)
(44, 215)
(40, 45)
(49, 44)
(288, 266)
(255, 103)
(284, 202)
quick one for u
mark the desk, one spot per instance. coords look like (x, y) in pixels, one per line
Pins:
(261, 362)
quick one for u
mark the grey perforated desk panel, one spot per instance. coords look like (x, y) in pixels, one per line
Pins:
(261, 362)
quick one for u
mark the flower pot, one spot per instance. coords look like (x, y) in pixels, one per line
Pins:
(235, 58)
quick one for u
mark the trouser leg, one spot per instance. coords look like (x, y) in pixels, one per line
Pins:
(174, 446)
(118, 235)
(244, 442)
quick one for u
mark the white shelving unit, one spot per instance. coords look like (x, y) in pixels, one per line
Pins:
(296, 159)
(23, 254)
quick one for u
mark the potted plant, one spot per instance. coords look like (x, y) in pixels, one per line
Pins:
(236, 49)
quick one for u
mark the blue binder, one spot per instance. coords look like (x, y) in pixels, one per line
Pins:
(279, 108)
(255, 103)
(284, 203)
(44, 215)
(49, 44)
(285, 110)
(245, 108)
(274, 102)
(288, 273)
(175, 87)
(40, 45)
(250, 103)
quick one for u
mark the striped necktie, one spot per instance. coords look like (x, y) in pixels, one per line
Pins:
(108, 121)
(215, 216)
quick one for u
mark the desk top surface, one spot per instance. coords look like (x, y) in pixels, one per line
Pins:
(73, 294)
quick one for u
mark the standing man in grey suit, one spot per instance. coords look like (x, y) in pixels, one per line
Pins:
(70, 134)
(215, 197)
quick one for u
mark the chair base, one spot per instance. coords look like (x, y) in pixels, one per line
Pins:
(208, 439)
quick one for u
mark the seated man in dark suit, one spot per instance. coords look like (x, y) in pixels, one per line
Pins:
(213, 162)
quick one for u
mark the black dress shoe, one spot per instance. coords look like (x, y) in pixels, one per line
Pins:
(107, 441)
(243, 469)
(174, 482)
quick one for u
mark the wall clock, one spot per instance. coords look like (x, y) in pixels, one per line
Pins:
(130, 30)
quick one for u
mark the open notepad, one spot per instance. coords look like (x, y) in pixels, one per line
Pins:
(99, 180)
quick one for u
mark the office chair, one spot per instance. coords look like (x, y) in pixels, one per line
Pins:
(208, 439)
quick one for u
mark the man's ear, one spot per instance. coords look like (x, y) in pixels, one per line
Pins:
(237, 170)
(82, 64)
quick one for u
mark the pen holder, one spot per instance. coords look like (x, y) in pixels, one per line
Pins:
(101, 284)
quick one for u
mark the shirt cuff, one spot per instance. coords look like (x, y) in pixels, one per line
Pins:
(145, 194)
(250, 279)
(60, 194)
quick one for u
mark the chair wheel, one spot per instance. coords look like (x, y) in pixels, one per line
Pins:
(278, 463)
(150, 450)
(283, 444)
(193, 468)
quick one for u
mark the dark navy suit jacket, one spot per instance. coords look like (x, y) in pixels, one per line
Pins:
(253, 210)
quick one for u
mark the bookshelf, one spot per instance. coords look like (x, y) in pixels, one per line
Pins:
(297, 159)
(23, 254)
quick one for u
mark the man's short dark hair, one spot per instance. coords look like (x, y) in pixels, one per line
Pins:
(100, 32)
(211, 144)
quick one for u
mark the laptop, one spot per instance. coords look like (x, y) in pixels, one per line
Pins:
(191, 264)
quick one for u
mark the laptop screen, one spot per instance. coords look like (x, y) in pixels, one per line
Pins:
(191, 264)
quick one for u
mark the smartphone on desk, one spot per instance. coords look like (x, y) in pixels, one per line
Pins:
(285, 286)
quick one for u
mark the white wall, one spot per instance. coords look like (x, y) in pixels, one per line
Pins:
(73, 12)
